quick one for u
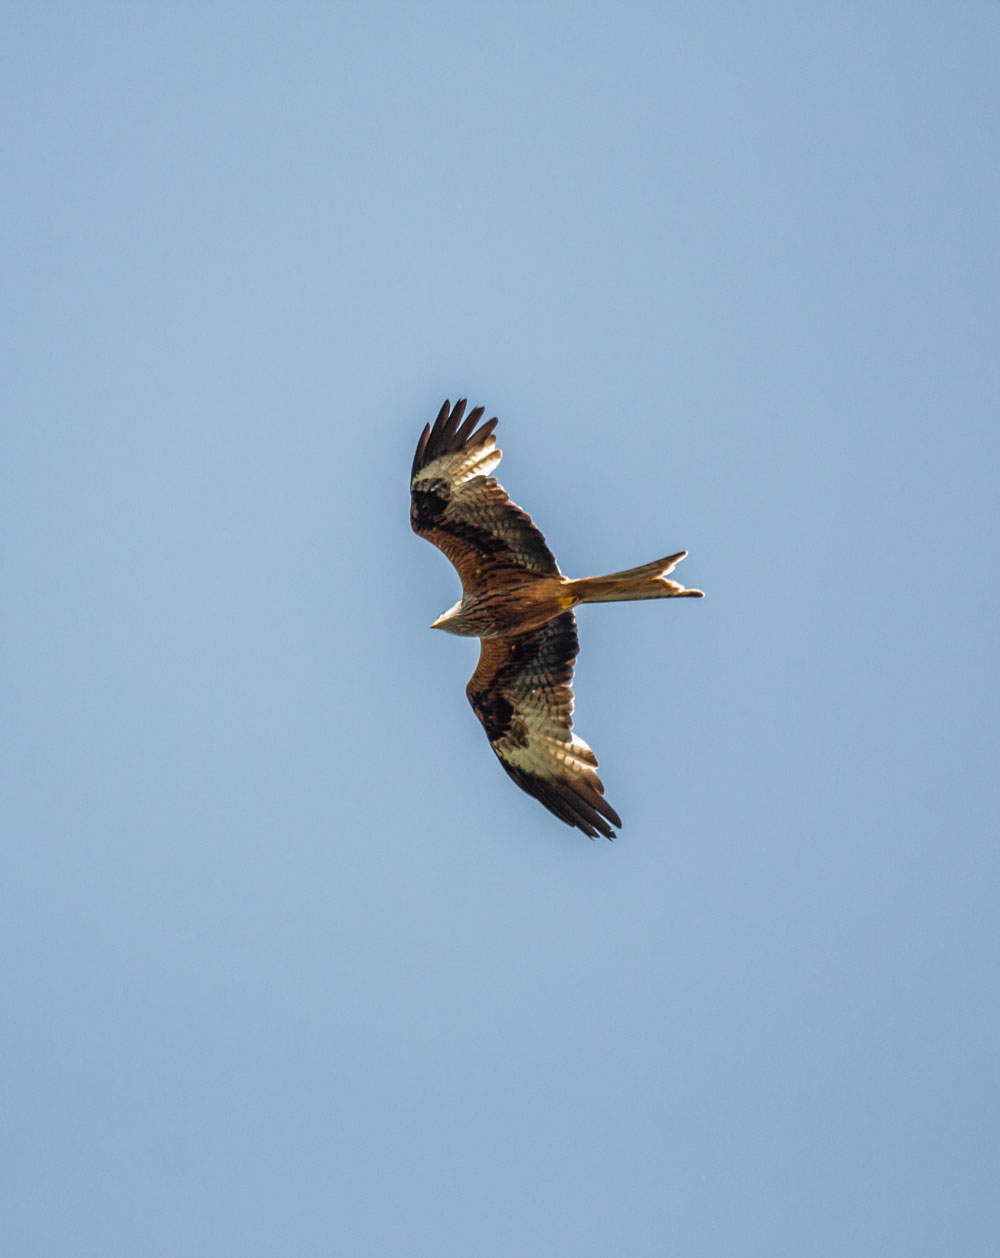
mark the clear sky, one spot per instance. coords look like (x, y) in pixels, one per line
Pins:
(289, 966)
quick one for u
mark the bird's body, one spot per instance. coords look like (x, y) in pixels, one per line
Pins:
(508, 610)
(515, 599)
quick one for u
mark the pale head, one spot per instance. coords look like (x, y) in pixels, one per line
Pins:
(452, 621)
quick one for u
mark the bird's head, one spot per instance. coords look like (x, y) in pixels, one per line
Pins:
(451, 621)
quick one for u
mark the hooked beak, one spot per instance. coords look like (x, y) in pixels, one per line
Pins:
(436, 624)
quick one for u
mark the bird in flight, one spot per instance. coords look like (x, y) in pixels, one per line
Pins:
(520, 606)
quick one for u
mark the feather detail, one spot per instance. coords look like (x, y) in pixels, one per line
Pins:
(522, 693)
(463, 511)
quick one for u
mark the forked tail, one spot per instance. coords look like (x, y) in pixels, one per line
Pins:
(649, 581)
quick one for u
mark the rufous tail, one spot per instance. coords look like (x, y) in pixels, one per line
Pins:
(649, 581)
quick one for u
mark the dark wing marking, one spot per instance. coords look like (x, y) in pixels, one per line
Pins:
(522, 693)
(458, 506)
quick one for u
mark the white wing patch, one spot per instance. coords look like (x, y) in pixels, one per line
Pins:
(463, 466)
(544, 752)
(549, 744)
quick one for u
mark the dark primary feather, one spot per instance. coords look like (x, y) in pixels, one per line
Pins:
(521, 692)
(471, 518)
(446, 436)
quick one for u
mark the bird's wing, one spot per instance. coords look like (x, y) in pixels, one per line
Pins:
(522, 692)
(458, 506)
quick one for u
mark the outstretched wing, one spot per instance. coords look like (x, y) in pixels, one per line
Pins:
(458, 506)
(522, 693)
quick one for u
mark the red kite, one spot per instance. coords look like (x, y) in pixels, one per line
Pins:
(518, 603)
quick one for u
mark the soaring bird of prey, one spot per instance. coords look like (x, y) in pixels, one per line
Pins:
(520, 606)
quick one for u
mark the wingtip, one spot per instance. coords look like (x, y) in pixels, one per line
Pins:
(420, 451)
(452, 429)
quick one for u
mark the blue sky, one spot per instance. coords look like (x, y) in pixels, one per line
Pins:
(290, 967)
